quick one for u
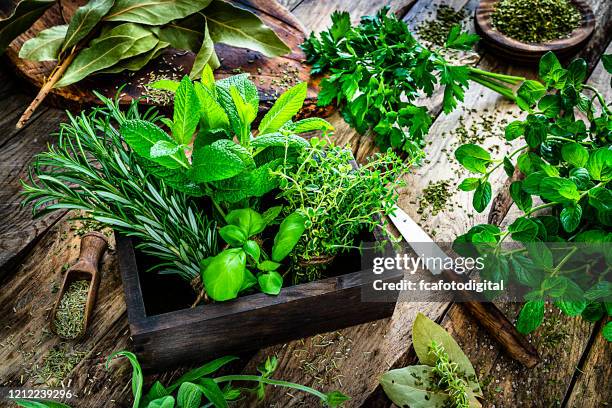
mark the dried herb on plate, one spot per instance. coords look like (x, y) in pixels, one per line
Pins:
(445, 376)
(536, 21)
(565, 199)
(377, 69)
(107, 36)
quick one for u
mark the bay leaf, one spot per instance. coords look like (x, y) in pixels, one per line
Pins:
(138, 62)
(184, 34)
(154, 12)
(205, 56)
(45, 46)
(240, 28)
(22, 18)
(103, 52)
(84, 20)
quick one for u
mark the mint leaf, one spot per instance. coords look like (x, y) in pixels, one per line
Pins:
(531, 316)
(186, 112)
(285, 107)
(141, 136)
(473, 158)
(217, 161)
(575, 154)
(163, 148)
(570, 217)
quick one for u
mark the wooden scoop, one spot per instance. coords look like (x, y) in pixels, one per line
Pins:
(93, 245)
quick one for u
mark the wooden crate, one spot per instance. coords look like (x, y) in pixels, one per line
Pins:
(192, 335)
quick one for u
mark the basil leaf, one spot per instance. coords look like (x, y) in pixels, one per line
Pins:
(570, 217)
(268, 266)
(239, 28)
(186, 112)
(85, 18)
(25, 14)
(289, 233)
(270, 283)
(232, 235)
(249, 221)
(249, 280)
(252, 249)
(224, 274)
(45, 46)
(285, 107)
(216, 161)
(189, 396)
(154, 12)
(531, 316)
(575, 154)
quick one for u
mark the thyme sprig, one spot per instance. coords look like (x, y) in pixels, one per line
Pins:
(450, 379)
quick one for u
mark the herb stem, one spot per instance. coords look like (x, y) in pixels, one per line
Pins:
(511, 79)
(495, 86)
(600, 97)
(271, 381)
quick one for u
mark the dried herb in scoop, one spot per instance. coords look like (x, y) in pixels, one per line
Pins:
(70, 315)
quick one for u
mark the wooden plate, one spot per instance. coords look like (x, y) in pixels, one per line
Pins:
(271, 75)
(518, 51)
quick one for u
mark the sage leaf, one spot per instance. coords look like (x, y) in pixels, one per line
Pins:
(45, 46)
(154, 12)
(285, 107)
(25, 14)
(224, 275)
(105, 51)
(141, 136)
(270, 282)
(186, 112)
(216, 161)
(289, 233)
(206, 369)
(240, 28)
(205, 56)
(84, 20)
(424, 331)
(163, 402)
(189, 396)
(213, 393)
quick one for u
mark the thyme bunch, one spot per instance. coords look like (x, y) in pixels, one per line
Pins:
(91, 169)
(450, 379)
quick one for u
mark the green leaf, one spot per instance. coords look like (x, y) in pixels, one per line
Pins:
(307, 125)
(482, 196)
(285, 107)
(45, 46)
(531, 184)
(249, 280)
(335, 399)
(106, 50)
(460, 40)
(248, 220)
(575, 154)
(142, 136)
(246, 88)
(83, 21)
(271, 213)
(607, 331)
(278, 139)
(270, 282)
(580, 176)
(600, 291)
(211, 112)
(233, 235)
(289, 233)
(599, 164)
(186, 112)
(570, 217)
(593, 312)
(540, 254)
(469, 184)
(165, 85)
(137, 377)
(156, 392)
(424, 331)
(571, 307)
(163, 148)
(137, 62)
(577, 72)
(550, 105)
(163, 402)
(559, 189)
(536, 130)
(239, 28)
(508, 167)
(531, 316)
(523, 229)
(204, 370)
(206, 56)
(522, 199)
(224, 274)
(529, 93)
(548, 64)
(154, 12)
(189, 396)
(217, 161)
(34, 403)
(184, 34)
(473, 158)
(252, 249)
(525, 271)
(21, 19)
(515, 129)
(213, 393)
(268, 266)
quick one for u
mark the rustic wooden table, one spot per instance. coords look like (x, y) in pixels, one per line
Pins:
(576, 361)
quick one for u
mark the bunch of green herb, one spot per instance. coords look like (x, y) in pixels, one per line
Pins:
(91, 169)
(70, 315)
(337, 199)
(198, 388)
(377, 70)
(444, 378)
(567, 163)
(536, 21)
(110, 36)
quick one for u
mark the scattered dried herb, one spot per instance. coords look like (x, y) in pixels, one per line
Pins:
(436, 31)
(69, 319)
(58, 364)
(536, 21)
(435, 195)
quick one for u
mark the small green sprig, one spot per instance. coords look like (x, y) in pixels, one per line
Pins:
(449, 377)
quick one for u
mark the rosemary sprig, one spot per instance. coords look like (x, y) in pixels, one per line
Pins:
(91, 169)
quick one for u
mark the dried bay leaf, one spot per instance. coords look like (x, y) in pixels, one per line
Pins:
(45, 46)
(22, 18)
(84, 20)
(413, 386)
(184, 34)
(205, 56)
(104, 52)
(240, 28)
(138, 62)
(154, 12)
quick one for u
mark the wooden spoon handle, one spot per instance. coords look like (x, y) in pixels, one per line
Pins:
(93, 245)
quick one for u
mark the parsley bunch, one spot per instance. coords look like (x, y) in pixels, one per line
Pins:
(377, 70)
(561, 249)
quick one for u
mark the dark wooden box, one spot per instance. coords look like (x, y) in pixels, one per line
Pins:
(164, 339)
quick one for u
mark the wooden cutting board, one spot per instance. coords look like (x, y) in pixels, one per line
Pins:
(271, 75)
